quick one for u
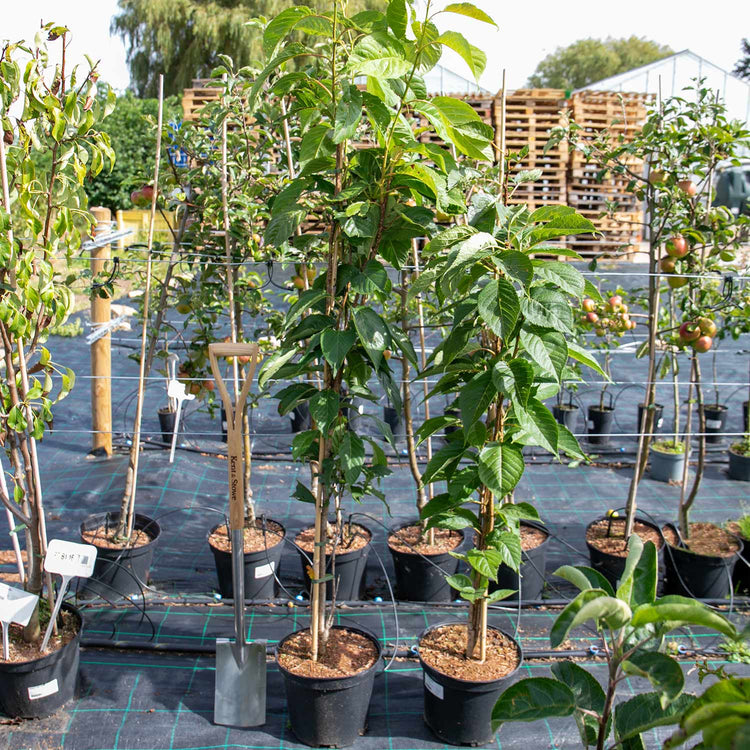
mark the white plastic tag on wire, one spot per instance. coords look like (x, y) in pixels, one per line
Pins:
(176, 390)
(102, 329)
(16, 606)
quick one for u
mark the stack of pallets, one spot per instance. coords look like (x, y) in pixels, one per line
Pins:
(201, 93)
(529, 116)
(616, 213)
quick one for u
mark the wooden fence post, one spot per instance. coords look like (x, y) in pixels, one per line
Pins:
(101, 357)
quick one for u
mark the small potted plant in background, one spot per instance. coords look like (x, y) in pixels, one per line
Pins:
(741, 574)
(44, 162)
(739, 452)
(504, 354)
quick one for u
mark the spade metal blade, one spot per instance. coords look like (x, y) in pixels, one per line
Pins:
(240, 695)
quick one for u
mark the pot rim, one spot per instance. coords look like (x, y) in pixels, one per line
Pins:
(682, 548)
(330, 680)
(224, 523)
(715, 407)
(734, 453)
(566, 407)
(151, 524)
(397, 527)
(424, 664)
(653, 448)
(622, 518)
(602, 409)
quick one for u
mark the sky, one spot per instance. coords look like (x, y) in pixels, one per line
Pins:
(713, 31)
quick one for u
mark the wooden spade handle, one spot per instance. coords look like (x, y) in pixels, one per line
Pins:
(234, 423)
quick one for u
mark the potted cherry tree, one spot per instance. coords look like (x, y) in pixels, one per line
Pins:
(505, 353)
(45, 158)
(362, 74)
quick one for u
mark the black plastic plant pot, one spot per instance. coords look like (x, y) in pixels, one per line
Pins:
(741, 574)
(658, 417)
(349, 573)
(459, 711)
(166, 424)
(301, 417)
(119, 572)
(699, 576)
(566, 415)
(392, 418)
(260, 567)
(744, 415)
(613, 566)
(600, 424)
(423, 580)
(329, 711)
(739, 466)
(716, 420)
(533, 563)
(37, 688)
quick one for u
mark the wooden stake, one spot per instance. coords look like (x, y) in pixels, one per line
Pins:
(101, 355)
(136, 447)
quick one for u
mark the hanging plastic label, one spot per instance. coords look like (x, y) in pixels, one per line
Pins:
(42, 691)
(70, 559)
(713, 424)
(16, 605)
(263, 571)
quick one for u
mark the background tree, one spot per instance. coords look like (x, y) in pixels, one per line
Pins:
(590, 60)
(134, 141)
(742, 67)
(184, 39)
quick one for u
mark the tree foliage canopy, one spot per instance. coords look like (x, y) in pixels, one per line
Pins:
(590, 60)
(184, 38)
(742, 67)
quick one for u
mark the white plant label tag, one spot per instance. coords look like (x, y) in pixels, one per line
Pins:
(660, 423)
(176, 389)
(263, 571)
(713, 424)
(434, 687)
(70, 559)
(42, 691)
(16, 605)
(592, 425)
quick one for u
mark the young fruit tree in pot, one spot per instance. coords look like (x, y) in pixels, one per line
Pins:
(50, 146)
(367, 195)
(632, 623)
(682, 140)
(505, 353)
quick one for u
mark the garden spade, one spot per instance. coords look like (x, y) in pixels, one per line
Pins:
(240, 694)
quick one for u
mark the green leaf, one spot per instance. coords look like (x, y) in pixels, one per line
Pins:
(499, 307)
(567, 443)
(635, 547)
(308, 326)
(303, 442)
(579, 354)
(500, 467)
(348, 114)
(457, 519)
(644, 712)
(373, 333)
(378, 55)
(272, 365)
(471, 55)
(593, 604)
(533, 699)
(562, 275)
(547, 309)
(677, 611)
(280, 26)
(431, 426)
(444, 458)
(549, 351)
(645, 577)
(584, 578)
(316, 142)
(302, 493)
(561, 226)
(538, 425)
(662, 671)
(469, 10)
(485, 562)
(352, 456)
(336, 345)
(324, 409)
(588, 695)
(508, 544)
(398, 19)
(475, 398)
(306, 300)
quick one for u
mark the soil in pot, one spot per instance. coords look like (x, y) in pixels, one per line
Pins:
(328, 700)
(262, 556)
(418, 579)
(608, 551)
(351, 559)
(716, 417)
(459, 693)
(34, 685)
(119, 570)
(702, 568)
(534, 540)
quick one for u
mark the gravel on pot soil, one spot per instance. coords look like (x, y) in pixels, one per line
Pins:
(346, 653)
(20, 651)
(614, 543)
(444, 649)
(255, 539)
(409, 539)
(531, 537)
(104, 539)
(354, 537)
(706, 539)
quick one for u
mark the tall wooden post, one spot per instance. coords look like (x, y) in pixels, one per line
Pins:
(101, 357)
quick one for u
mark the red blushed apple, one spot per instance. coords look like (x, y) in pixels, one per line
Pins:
(707, 327)
(675, 282)
(703, 344)
(142, 197)
(677, 247)
(687, 187)
(588, 305)
(615, 301)
(668, 264)
(689, 331)
(592, 317)
(657, 177)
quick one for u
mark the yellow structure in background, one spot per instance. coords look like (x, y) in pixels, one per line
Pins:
(137, 220)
